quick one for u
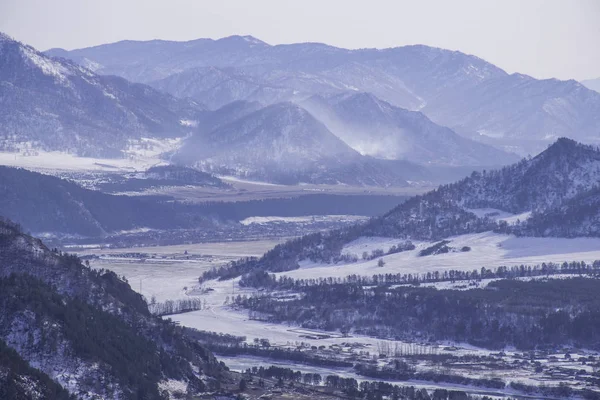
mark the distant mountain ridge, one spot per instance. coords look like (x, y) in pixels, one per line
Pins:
(376, 128)
(471, 96)
(217, 87)
(55, 104)
(91, 114)
(351, 138)
(283, 143)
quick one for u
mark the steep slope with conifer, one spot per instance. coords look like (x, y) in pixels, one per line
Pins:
(87, 330)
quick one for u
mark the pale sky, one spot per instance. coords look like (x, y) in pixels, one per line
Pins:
(541, 38)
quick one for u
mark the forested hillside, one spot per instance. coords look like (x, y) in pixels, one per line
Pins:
(19, 381)
(43, 203)
(88, 330)
(558, 187)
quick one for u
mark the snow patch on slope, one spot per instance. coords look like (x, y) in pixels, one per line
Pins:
(189, 122)
(173, 387)
(499, 215)
(71, 372)
(47, 66)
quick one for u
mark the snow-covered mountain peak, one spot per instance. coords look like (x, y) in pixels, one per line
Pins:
(287, 145)
(558, 174)
(21, 59)
(246, 39)
(46, 65)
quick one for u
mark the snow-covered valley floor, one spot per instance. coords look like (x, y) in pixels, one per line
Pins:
(164, 271)
(169, 271)
(141, 154)
(166, 275)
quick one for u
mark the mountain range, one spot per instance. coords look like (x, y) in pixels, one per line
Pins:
(473, 97)
(55, 104)
(288, 114)
(353, 138)
(284, 143)
(311, 113)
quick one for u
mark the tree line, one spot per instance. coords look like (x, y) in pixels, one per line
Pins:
(262, 279)
(368, 390)
(170, 307)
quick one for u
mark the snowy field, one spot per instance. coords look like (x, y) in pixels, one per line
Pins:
(223, 319)
(303, 219)
(168, 270)
(161, 279)
(220, 318)
(488, 250)
(141, 155)
(232, 249)
(164, 272)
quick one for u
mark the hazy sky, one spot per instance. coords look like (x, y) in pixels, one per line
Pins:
(542, 38)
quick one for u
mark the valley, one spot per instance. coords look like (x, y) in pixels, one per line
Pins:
(230, 219)
(171, 273)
